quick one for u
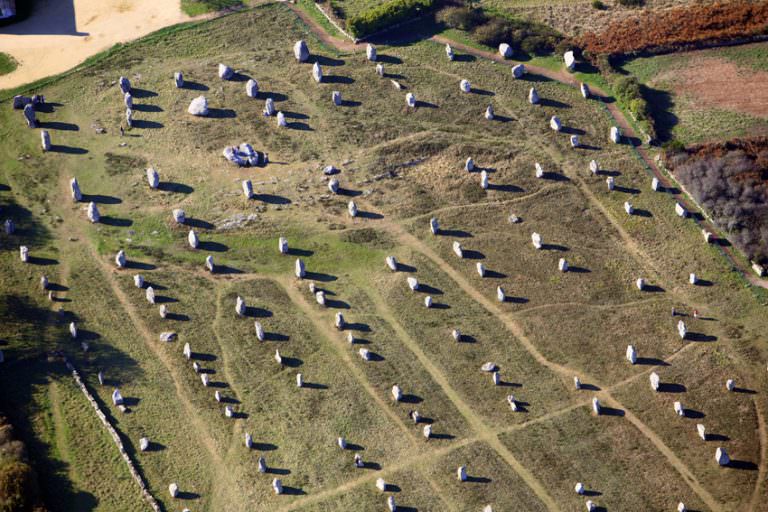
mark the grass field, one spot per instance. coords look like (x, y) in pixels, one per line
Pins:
(707, 95)
(198, 7)
(401, 166)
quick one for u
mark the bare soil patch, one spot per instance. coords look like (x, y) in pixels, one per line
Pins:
(717, 83)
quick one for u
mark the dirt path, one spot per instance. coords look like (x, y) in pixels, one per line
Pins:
(343, 45)
(475, 422)
(565, 372)
(323, 326)
(761, 474)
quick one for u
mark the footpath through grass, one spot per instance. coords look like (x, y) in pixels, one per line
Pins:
(7, 64)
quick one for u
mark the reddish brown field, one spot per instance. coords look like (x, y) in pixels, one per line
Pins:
(682, 26)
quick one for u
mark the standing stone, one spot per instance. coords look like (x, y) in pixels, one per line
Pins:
(29, 115)
(610, 182)
(539, 170)
(352, 209)
(457, 249)
(24, 253)
(631, 354)
(680, 210)
(615, 134)
(702, 431)
(192, 239)
(391, 507)
(489, 114)
(576, 383)
(500, 294)
(187, 351)
(596, 406)
(225, 72)
(173, 490)
(73, 330)
(74, 187)
(594, 167)
(120, 259)
(277, 486)
(413, 283)
(128, 100)
(505, 50)
(655, 382)
(179, 216)
(333, 185)
(299, 380)
(336, 98)
(380, 70)
(252, 88)
(570, 60)
(150, 295)
(198, 107)
(536, 240)
(178, 79)
(301, 51)
(397, 393)
(575, 141)
(269, 107)
(209, 264)
(125, 84)
(480, 269)
(555, 124)
(370, 52)
(260, 335)
(262, 465)
(240, 306)
(129, 117)
(410, 100)
(562, 265)
(679, 410)
(449, 52)
(484, 180)
(317, 72)
(655, 185)
(465, 86)
(391, 263)
(248, 189)
(721, 456)
(518, 71)
(143, 444)
(45, 140)
(281, 122)
(299, 269)
(434, 226)
(533, 96)
(93, 213)
(153, 179)
(585, 92)
(461, 473)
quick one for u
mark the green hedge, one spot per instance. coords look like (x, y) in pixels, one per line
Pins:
(386, 15)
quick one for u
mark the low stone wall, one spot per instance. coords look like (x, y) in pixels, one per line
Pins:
(116, 438)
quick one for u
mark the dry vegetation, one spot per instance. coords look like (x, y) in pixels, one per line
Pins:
(401, 166)
(687, 26)
(730, 180)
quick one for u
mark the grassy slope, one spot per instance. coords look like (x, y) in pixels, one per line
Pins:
(365, 140)
(690, 123)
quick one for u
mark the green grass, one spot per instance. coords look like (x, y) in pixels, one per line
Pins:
(7, 64)
(198, 7)
(308, 6)
(683, 116)
(401, 166)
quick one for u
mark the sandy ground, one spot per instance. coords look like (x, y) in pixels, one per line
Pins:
(62, 33)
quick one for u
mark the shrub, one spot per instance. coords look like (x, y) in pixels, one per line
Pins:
(462, 18)
(18, 487)
(385, 15)
(626, 88)
(597, 4)
(632, 3)
(520, 35)
(493, 33)
(730, 180)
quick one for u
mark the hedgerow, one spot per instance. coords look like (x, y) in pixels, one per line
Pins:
(387, 14)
